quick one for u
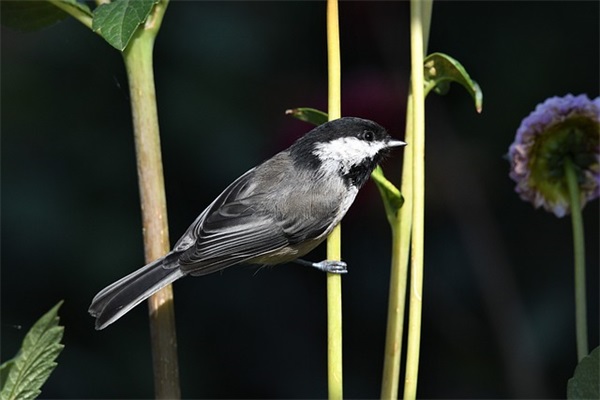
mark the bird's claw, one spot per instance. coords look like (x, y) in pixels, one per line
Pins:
(332, 266)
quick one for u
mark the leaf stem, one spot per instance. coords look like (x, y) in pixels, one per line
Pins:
(138, 63)
(334, 281)
(75, 12)
(579, 251)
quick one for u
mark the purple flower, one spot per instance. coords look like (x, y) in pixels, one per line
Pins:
(559, 128)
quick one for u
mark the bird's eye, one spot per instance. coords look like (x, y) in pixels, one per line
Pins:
(368, 135)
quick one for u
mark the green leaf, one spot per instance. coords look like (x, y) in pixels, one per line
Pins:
(441, 70)
(311, 115)
(585, 382)
(116, 22)
(31, 15)
(36, 359)
(4, 370)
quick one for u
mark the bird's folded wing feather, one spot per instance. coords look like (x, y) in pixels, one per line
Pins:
(235, 228)
(233, 191)
(232, 234)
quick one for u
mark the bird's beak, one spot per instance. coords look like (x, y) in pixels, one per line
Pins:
(395, 143)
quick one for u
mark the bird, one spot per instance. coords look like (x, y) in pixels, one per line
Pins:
(274, 213)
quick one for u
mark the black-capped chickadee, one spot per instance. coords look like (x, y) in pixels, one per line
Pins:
(274, 213)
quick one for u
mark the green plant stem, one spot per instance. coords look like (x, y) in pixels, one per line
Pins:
(579, 251)
(401, 240)
(401, 228)
(426, 12)
(75, 12)
(334, 281)
(138, 63)
(418, 206)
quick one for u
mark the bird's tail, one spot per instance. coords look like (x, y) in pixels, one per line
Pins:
(112, 302)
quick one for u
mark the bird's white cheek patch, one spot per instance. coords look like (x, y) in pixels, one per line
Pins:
(347, 151)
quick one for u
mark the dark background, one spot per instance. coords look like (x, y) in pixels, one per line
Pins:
(498, 316)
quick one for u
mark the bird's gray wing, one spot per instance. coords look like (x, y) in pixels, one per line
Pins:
(232, 234)
(233, 191)
(232, 230)
(240, 225)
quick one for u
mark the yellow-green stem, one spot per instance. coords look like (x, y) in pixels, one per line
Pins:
(401, 228)
(334, 281)
(579, 255)
(140, 75)
(417, 234)
(401, 239)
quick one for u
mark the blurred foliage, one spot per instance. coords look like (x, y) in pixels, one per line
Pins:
(225, 72)
(585, 383)
(29, 15)
(307, 114)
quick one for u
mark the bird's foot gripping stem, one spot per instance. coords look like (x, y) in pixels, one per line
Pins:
(331, 266)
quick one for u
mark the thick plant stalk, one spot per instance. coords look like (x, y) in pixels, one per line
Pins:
(418, 221)
(138, 62)
(334, 281)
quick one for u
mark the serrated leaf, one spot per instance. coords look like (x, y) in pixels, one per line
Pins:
(36, 359)
(116, 22)
(585, 382)
(310, 115)
(4, 370)
(441, 69)
(30, 15)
